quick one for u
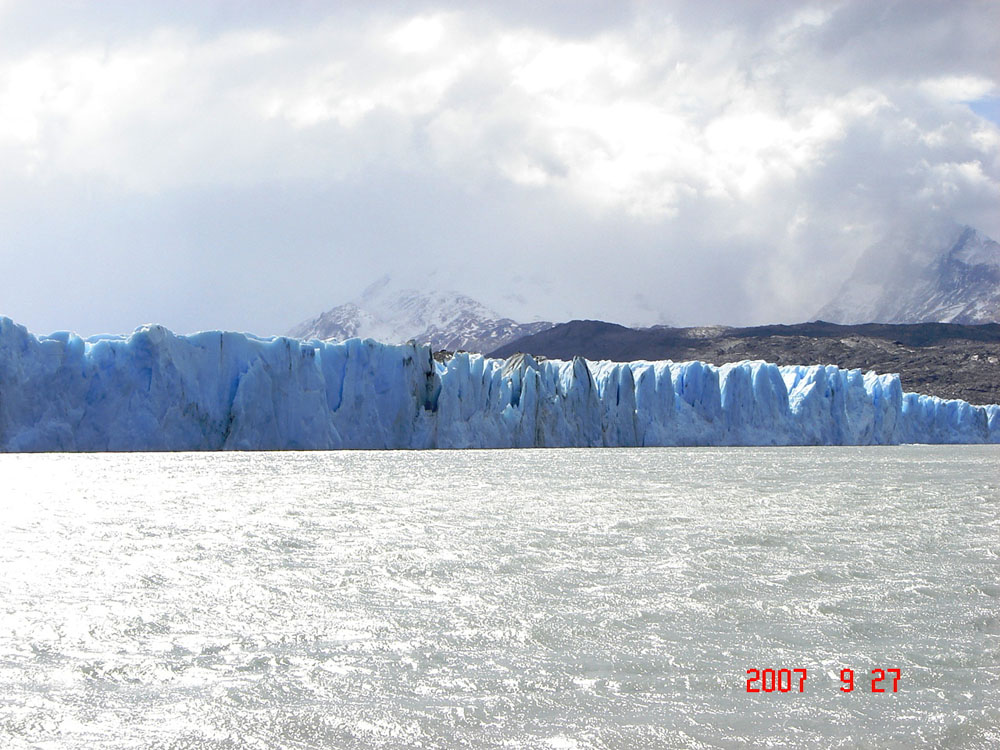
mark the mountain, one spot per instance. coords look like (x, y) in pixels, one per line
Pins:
(942, 359)
(446, 320)
(951, 275)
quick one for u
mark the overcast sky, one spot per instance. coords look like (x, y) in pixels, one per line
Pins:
(247, 165)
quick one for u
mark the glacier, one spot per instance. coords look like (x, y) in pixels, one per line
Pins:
(153, 390)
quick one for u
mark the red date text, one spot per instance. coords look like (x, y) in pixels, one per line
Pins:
(794, 680)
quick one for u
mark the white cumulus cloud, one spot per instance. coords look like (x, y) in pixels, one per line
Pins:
(728, 161)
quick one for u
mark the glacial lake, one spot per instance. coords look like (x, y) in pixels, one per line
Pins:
(595, 598)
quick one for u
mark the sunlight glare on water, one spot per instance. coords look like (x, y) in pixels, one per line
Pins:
(518, 599)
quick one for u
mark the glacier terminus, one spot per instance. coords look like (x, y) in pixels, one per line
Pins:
(153, 390)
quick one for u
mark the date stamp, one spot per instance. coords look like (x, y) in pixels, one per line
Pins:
(794, 680)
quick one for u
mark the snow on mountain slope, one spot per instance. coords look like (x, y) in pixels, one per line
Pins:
(154, 390)
(446, 320)
(949, 275)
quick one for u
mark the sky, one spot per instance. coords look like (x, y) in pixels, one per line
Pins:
(247, 165)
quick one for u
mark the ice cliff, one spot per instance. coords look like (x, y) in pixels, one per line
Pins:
(154, 390)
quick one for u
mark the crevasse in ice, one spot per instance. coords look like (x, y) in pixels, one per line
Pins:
(154, 390)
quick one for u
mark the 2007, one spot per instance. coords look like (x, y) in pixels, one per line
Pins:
(771, 680)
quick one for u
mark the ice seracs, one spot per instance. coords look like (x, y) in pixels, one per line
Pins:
(154, 390)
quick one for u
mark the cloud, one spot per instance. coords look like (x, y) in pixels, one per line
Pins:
(958, 88)
(732, 160)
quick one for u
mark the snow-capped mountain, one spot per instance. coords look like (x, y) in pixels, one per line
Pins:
(445, 319)
(951, 275)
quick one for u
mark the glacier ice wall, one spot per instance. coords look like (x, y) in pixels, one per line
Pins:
(154, 390)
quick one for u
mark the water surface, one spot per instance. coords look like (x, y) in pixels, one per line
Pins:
(512, 599)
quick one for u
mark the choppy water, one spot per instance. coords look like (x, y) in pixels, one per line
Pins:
(514, 599)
